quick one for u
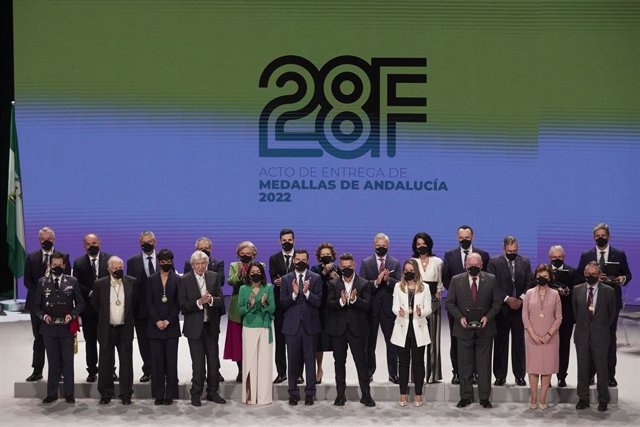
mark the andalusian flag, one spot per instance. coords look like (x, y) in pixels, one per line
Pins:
(15, 216)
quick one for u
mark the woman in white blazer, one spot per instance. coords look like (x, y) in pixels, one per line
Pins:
(412, 306)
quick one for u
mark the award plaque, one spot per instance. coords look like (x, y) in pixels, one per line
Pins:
(58, 312)
(473, 318)
(612, 270)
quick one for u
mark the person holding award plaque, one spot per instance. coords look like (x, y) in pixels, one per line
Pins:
(542, 317)
(412, 306)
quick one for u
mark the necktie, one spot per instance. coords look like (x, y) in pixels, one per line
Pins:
(602, 261)
(300, 283)
(94, 266)
(57, 283)
(512, 267)
(590, 307)
(151, 269)
(464, 261)
(474, 290)
(381, 265)
(46, 261)
(287, 258)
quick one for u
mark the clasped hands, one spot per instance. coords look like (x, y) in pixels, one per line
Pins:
(514, 303)
(252, 299)
(483, 322)
(352, 296)
(401, 311)
(48, 319)
(306, 287)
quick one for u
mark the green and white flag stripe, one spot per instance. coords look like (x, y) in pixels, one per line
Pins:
(15, 214)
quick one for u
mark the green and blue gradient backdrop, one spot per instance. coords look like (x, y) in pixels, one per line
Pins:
(136, 115)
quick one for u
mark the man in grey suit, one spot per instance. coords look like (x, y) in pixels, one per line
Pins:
(594, 307)
(474, 289)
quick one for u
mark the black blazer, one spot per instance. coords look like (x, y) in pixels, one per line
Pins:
(489, 300)
(596, 332)
(101, 302)
(615, 255)
(83, 271)
(278, 268)
(218, 268)
(69, 294)
(498, 267)
(352, 316)
(189, 293)
(159, 310)
(382, 296)
(135, 268)
(34, 269)
(452, 263)
(567, 309)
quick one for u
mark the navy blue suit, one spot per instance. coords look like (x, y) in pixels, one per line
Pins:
(300, 327)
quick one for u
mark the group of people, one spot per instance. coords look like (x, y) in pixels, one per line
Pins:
(304, 311)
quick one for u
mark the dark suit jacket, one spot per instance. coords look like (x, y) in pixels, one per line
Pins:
(69, 294)
(135, 268)
(382, 296)
(218, 268)
(83, 271)
(34, 269)
(567, 309)
(159, 310)
(596, 332)
(189, 294)
(615, 255)
(302, 310)
(352, 316)
(499, 267)
(101, 302)
(452, 263)
(489, 300)
(278, 268)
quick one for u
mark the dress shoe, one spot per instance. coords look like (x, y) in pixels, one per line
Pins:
(300, 380)
(105, 400)
(464, 402)
(562, 383)
(70, 399)
(145, 378)
(417, 403)
(521, 382)
(293, 401)
(220, 378)
(216, 398)
(602, 407)
(195, 401)
(158, 402)
(486, 404)
(36, 376)
(49, 399)
(582, 404)
(368, 401)
(499, 381)
(613, 383)
(126, 400)
(543, 406)
(455, 379)
(394, 379)
(167, 402)
(474, 379)
(340, 401)
(279, 379)
(533, 406)
(308, 401)
(592, 381)
(91, 378)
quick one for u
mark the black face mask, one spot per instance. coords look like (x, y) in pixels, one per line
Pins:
(409, 276)
(474, 270)
(206, 252)
(601, 242)
(93, 250)
(57, 270)
(557, 263)
(381, 251)
(542, 281)
(592, 280)
(118, 274)
(327, 259)
(47, 245)
(256, 278)
(245, 259)
(423, 250)
(465, 244)
(166, 267)
(347, 272)
(287, 246)
(301, 265)
(147, 247)
(511, 257)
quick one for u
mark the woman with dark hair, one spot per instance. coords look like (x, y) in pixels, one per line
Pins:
(430, 268)
(326, 256)
(257, 305)
(164, 328)
(541, 316)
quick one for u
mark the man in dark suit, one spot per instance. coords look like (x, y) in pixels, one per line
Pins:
(474, 289)
(53, 293)
(200, 300)
(114, 299)
(142, 266)
(595, 310)
(35, 267)
(87, 269)
(348, 299)
(383, 272)
(604, 253)
(280, 264)
(205, 245)
(565, 277)
(300, 298)
(513, 273)
(454, 264)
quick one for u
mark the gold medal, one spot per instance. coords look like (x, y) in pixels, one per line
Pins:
(118, 302)
(164, 298)
(591, 308)
(541, 315)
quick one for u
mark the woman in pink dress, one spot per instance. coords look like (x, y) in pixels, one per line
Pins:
(541, 315)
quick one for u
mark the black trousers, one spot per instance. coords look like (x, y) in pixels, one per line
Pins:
(204, 358)
(481, 346)
(358, 351)
(386, 324)
(453, 349)
(412, 355)
(508, 322)
(586, 353)
(122, 341)
(301, 350)
(281, 350)
(90, 332)
(59, 349)
(565, 331)
(144, 346)
(37, 361)
(164, 377)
